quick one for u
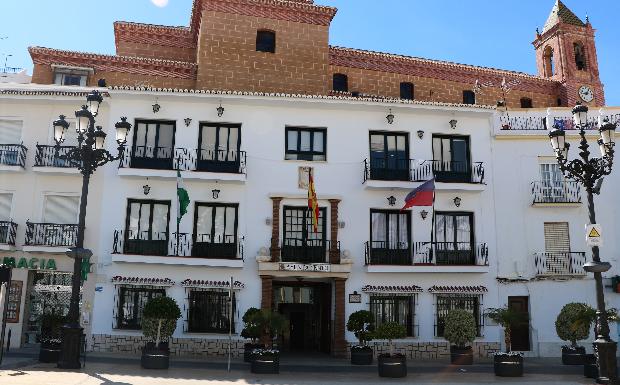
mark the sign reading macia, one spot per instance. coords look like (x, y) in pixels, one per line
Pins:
(320, 267)
(30, 263)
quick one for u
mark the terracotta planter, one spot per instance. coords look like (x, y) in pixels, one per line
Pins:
(573, 356)
(461, 356)
(508, 365)
(361, 356)
(392, 366)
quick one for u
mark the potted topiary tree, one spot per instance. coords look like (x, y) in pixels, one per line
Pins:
(267, 361)
(253, 325)
(159, 320)
(361, 323)
(573, 324)
(391, 364)
(507, 364)
(51, 324)
(583, 317)
(460, 330)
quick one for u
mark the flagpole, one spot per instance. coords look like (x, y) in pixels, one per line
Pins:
(230, 318)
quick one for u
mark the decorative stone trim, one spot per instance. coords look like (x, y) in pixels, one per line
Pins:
(48, 93)
(164, 35)
(188, 283)
(457, 289)
(120, 280)
(429, 350)
(392, 289)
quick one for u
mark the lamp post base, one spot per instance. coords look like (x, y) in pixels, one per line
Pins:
(71, 347)
(606, 354)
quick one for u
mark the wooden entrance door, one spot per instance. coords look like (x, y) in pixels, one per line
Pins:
(520, 335)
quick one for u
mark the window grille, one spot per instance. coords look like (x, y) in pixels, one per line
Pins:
(446, 302)
(391, 308)
(129, 304)
(208, 310)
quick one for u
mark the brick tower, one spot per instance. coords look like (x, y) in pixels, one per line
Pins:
(566, 52)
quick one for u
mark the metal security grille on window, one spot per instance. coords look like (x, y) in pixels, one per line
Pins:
(130, 301)
(50, 294)
(399, 309)
(209, 311)
(447, 302)
(305, 144)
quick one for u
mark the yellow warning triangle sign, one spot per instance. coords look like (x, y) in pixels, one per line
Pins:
(594, 233)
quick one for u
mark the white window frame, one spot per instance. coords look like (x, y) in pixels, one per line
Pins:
(82, 72)
(63, 194)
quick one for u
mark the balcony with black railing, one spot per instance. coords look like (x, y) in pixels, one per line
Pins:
(553, 192)
(51, 234)
(161, 244)
(52, 156)
(426, 253)
(13, 155)
(559, 264)
(457, 171)
(8, 230)
(415, 170)
(307, 251)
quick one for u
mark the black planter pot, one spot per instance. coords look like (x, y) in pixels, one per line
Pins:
(573, 356)
(590, 370)
(265, 365)
(49, 352)
(361, 356)
(461, 356)
(155, 358)
(392, 366)
(508, 365)
(247, 351)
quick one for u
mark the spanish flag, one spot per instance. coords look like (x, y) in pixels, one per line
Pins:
(313, 203)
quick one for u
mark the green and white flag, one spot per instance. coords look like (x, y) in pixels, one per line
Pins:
(182, 196)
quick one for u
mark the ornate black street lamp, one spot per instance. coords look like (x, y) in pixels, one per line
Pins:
(589, 172)
(87, 157)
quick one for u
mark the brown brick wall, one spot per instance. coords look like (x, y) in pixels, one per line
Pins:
(42, 74)
(227, 57)
(334, 253)
(275, 230)
(339, 348)
(128, 48)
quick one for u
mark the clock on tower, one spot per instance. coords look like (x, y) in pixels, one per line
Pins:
(586, 94)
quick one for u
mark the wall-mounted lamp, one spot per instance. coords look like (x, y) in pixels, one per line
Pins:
(188, 121)
(390, 117)
(268, 221)
(423, 214)
(156, 107)
(341, 224)
(216, 193)
(146, 188)
(453, 123)
(420, 134)
(457, 202)
(391, 200)
(220, 110)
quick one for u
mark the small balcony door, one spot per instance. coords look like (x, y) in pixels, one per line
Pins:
(153, 145)
(147, 227)
(552, 182)
(390, 237)
(301, 243)
(557, 248)
(389, 156)
(451, 159)
(454, 239)
(219, 148)
(215, 231)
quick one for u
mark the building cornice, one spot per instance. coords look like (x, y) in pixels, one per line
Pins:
(162, 35)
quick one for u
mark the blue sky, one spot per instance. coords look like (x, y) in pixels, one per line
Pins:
(481, 32)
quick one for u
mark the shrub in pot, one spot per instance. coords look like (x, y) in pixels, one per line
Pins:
(267, 361)
(573, 324)
(159, 320)
(391, 364)
(460, 330)
(51, 337)
(508, 363)
(361, 323)
(253, 325)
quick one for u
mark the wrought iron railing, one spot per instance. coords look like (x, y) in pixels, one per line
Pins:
(52, 156)
(539, 123)
(13, 154)
(185, 245)
(457, 172)
(421, 170)
(560, 264)
(426, 253)
(184, 159)
(148, 157)
(556, 192)
(298, 250)
(8, 229)
(51, 234)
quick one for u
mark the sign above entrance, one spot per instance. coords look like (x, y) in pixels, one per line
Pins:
(594, 235)
(318, 267)
(31, 263)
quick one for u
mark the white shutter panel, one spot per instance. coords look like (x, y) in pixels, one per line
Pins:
(557, 238)
(61, 209)
(10, 131)
(5, 206)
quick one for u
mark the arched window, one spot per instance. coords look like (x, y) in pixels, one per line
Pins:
(266, 41)
(469, 97)
(548, 62)
(526, 103)
(340, 83)
(580, 56)
(406, 91)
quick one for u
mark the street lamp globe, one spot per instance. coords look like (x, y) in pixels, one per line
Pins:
(558, 139)
(60, 129)
(99, 138)
(604, 149)
(83, 117)
(93, 100)
(580, 115)
(607, 131)
(122, 129)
